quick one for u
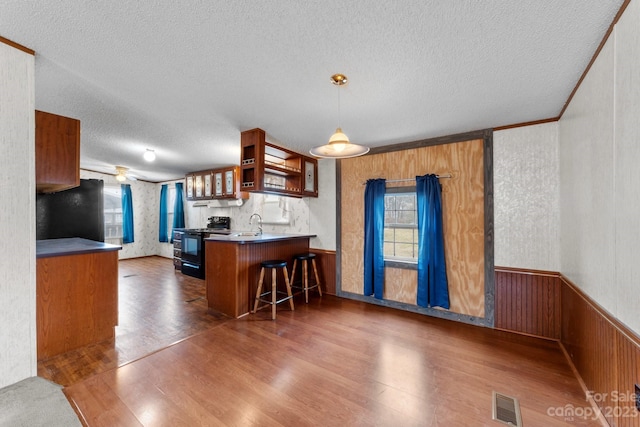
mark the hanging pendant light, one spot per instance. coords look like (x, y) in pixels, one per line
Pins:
(339, 146)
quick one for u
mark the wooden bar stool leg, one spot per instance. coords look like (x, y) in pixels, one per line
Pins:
(293, 272)
(259, 291)
(305, 280)
(315, 272)
(274, 288)
(288, 285)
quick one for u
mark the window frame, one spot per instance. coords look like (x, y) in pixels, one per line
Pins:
(409, 264)
(113, 191)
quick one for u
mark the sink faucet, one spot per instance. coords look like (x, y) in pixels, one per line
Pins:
(259, 222)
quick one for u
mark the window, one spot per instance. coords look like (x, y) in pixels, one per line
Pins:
(112, 214)
(171, 201)
(400, 225)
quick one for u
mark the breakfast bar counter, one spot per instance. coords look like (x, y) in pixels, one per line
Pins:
(233, 266)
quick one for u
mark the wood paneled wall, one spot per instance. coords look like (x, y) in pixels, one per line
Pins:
(528, 302)
(463, 214)
(604, 352)
(326, 262)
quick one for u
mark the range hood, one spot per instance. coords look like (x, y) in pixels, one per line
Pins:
(222, 203)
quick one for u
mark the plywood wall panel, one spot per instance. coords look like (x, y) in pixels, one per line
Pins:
(463, 218)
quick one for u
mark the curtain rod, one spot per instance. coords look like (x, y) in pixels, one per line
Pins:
(447, 175)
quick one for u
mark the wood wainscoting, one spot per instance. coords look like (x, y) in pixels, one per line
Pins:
(326, 262)
(528, 302)
(604, 353)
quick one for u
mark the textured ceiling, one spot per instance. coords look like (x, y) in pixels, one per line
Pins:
(185, 78)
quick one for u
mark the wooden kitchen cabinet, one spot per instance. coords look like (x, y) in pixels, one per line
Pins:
(57, 152)
(268, 168)
(223, 183)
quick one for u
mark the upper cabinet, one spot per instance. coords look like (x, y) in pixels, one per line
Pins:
(57, 152)
(268, 168)
(212, 184)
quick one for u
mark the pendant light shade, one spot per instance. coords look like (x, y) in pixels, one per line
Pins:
(339, 146)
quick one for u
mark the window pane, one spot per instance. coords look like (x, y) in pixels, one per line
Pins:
(404, 250)
(405, 202)
(404, 235)
(406, 217)
(388, 249)
(389, 202)
(389, 234)
(389, 217)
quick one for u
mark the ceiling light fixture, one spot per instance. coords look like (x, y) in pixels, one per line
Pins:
(339, 146)
(121, 173)
(149, 155)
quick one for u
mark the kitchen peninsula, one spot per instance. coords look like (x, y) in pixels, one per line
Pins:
(76, 294)
(233, 266)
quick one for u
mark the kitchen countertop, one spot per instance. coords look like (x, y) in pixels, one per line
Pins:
(71, 246)
(243, 237)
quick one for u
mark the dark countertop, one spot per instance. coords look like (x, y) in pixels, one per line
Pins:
(243, 237)
(71, 246)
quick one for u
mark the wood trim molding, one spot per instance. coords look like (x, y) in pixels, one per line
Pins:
(582, 77)
(531, 123)
(526, 271)
(17, 46)
(595, 55)
(439, 140)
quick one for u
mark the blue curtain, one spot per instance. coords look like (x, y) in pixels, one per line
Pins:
(178, 210)
(127, 214)
(433, 290)
(374, 237)
(162, 227)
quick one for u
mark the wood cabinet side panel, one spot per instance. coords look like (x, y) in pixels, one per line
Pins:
(76, 301)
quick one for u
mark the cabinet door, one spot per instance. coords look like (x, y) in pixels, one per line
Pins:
(229, 182)
(190, 194)
(208, 188)
(218, 176)
(57, 152)
(198, 187)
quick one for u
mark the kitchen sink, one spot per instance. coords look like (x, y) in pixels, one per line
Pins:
(246, 233)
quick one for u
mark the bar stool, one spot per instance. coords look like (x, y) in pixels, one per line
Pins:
(273, 264)
(304, 258)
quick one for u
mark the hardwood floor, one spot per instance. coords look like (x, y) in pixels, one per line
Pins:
(330, 362)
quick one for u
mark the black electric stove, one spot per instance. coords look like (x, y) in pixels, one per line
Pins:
(193, 247)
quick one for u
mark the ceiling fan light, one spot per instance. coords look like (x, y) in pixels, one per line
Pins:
(121, 178)
(149, 155)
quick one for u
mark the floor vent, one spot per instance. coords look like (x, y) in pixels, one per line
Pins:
(506, 410)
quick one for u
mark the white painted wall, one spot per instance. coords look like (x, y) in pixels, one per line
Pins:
(527, 197)
(322, 210)
(17, 217)
(599, 138)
